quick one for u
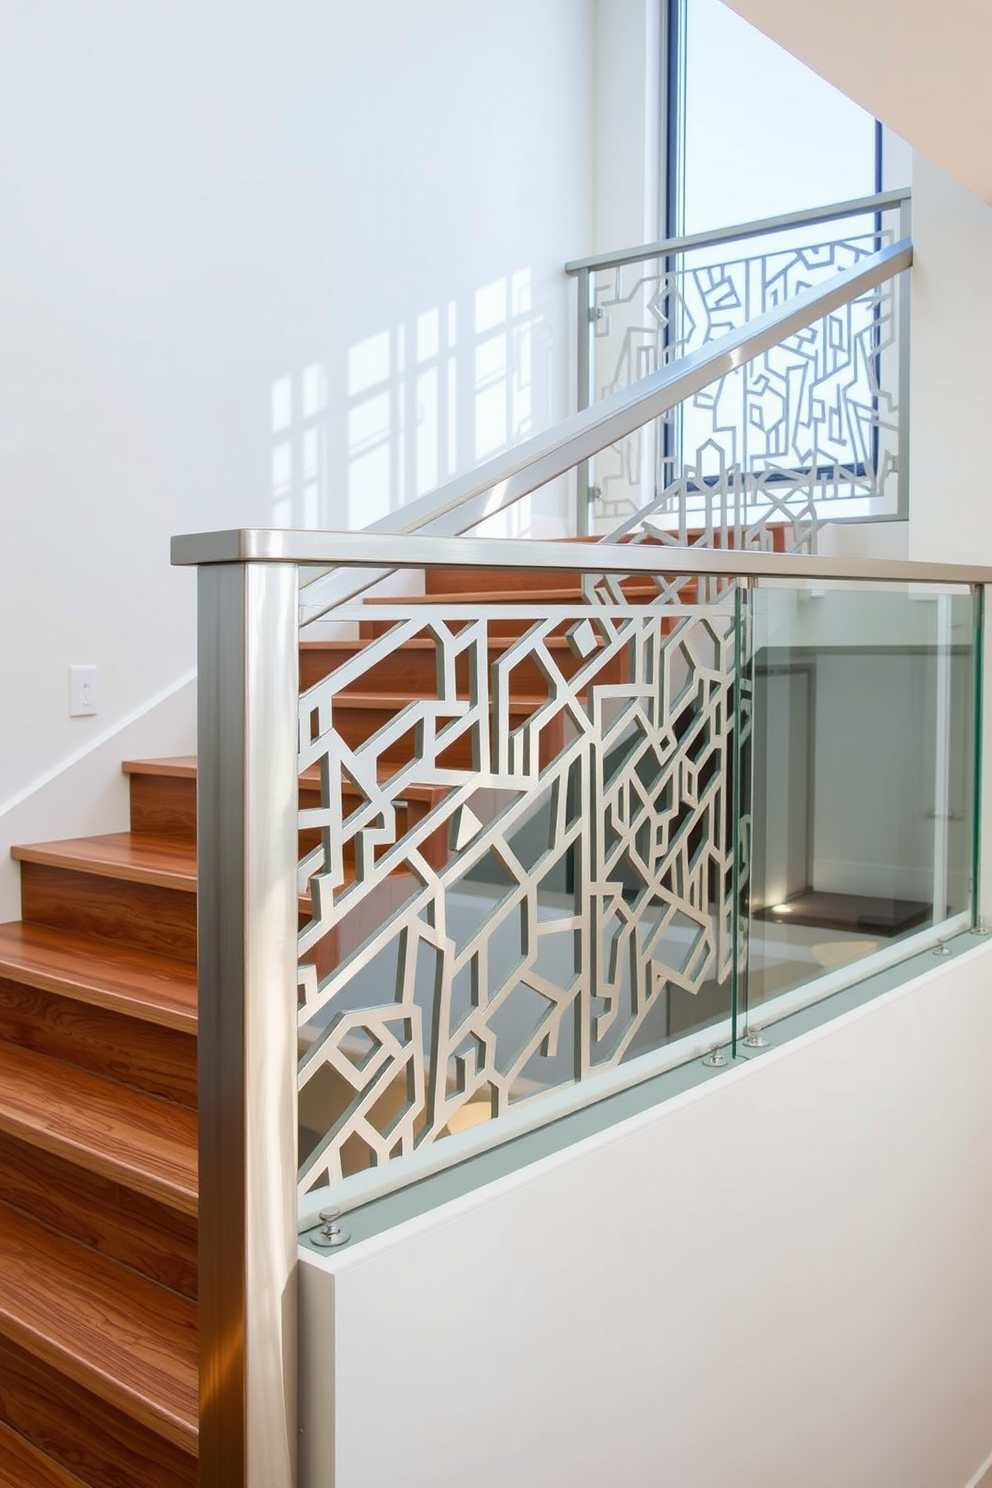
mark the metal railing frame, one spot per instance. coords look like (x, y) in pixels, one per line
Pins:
(250, 605)
(255, 588)
(669, 249)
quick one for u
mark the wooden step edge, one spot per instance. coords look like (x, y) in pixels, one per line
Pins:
(393, 701)
(144, 1143)
(311, 777)
(180, 1197)
(161, 862)
(73, 857)
(521, 598)
(25, 1466)
(136, 984)
(119, 1335)
(349, 648)
(180, 767)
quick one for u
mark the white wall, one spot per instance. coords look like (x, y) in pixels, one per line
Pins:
(262, 264)
(628, 118)
(951, 516)
(779, 1279)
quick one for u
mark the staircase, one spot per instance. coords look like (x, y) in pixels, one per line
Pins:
(98, 1379)
(98, 1149)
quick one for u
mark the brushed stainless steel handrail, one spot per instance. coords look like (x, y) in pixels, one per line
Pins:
(764, 226)
(357, 549)
(463, 502)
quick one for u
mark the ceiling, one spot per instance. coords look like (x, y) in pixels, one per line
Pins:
(923, 69)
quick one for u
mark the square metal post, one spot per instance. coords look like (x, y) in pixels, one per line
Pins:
(247, 802)
(583, 516)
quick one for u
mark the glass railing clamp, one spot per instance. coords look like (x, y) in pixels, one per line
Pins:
(330, 1233)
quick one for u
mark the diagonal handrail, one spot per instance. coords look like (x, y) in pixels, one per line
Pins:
(462, 503)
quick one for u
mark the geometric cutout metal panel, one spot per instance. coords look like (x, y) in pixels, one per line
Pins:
(513, 870)
(790, 436)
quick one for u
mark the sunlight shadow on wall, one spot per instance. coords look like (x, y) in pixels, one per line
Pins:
(299, 447)
(452, 386)
(411, 406)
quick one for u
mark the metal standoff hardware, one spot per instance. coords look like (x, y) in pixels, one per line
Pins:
(715, 1059)
(942, 948)
(981, 926)
(330, 1232)
(754, 1038)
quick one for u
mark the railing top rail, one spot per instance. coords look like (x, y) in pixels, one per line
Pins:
(361, 549)
(857, 207)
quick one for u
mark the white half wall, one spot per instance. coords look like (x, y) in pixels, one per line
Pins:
(950, 514)
(779, 1279)
(263, 264)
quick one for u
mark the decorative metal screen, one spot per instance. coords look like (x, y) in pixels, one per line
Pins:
(510, 875)
(809, 425)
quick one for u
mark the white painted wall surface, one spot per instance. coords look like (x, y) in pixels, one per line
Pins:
(262, 264)
(90, 793)
(779, 1280)
(951, 517)
(629, 202)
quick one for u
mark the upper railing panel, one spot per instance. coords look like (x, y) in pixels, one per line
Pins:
(813, 429)
(464, 502)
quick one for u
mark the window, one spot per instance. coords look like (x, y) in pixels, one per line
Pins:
(752, 131)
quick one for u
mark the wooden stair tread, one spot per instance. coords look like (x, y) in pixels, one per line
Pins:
(185, 768)
(519, 597)
(161, 862)
(125, 1339)
(418, 643)
(23, 1466)
(165, 862)
(181, 766)
(156, 989)
(144, 1143)
(393, 701)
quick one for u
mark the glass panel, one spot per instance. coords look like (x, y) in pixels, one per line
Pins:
(763, 134)
(809, 429)
(862, 779)
(522, 859)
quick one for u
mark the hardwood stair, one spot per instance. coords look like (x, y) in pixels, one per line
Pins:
(98, 1190)
(23, 1466)
(98, 1187)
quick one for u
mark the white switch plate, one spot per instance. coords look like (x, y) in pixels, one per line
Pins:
(83, 685)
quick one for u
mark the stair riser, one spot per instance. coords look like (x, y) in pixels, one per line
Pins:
(482, 581)
(166, 805)
(638, 589)
(161, 1061)
(23, 1466)
(499, 628)
(115, 1221)
(479, 584)
(357, 724)
(130, 914)
(502, 628)
(415, 671)
(184, 801)
(99, 1443)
